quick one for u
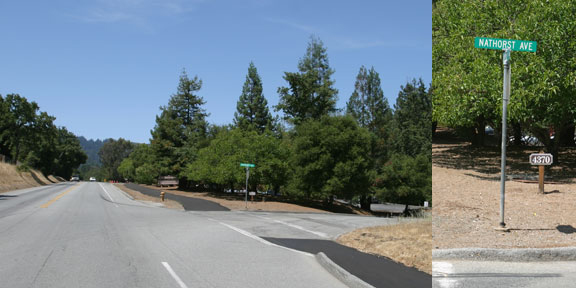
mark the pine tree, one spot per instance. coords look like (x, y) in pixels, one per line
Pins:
(370, 108)
(310, 95)
(367, 103)
(252, 108)
(413, 120)
(181, 127)
(187, 106)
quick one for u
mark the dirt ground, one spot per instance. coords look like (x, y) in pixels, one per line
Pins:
(237, 202)
(466, 193)
(407, 243)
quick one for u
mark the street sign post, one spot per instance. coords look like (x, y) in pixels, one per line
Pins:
(248, 166)
(506, 45)
(541, 159)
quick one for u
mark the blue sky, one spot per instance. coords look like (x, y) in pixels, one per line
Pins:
(104, 67)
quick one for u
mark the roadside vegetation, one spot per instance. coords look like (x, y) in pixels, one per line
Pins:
(407, 242)
(13, 178)
(467, 90)
(30, 138)
(313, 151)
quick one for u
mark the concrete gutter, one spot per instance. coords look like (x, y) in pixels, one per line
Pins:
(341, 274)
(507, 255)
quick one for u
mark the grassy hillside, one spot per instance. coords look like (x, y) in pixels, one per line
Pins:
(12, 179)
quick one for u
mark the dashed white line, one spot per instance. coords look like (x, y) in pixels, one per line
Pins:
(111, 199)
(174, 275)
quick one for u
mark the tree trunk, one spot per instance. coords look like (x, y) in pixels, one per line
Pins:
(517, 130)
(479, 132)
(406, 211)
(567, 134)
(365, 202)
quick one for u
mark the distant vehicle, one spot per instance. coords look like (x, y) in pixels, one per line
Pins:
(92, 179)
(75, 178)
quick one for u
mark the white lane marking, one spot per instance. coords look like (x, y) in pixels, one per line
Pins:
(248, 234)
(441, 271)
(174, 275)
(320, 234)
(111, 199)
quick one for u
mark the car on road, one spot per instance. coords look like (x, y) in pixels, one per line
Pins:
(75, 178)
(92, 179)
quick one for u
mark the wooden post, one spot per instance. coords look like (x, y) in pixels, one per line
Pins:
(541, 179)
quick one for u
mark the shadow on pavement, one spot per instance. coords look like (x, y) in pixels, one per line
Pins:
(566, 229)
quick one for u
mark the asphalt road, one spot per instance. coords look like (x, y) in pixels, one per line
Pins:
(93, 235)
(189, 203)
(376, 271)
(364, 266)
(476, 274)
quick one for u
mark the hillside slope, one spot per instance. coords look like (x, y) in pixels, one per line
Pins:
(11, 179)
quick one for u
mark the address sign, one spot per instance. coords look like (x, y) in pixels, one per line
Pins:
(541, 159)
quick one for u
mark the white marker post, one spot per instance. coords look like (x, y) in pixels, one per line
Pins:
(247, 165)
(506, 45)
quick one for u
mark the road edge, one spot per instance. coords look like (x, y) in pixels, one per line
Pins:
(340, 274)
(506, 255)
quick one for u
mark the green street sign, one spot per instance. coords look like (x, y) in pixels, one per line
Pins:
(247, 165)
(503, 44)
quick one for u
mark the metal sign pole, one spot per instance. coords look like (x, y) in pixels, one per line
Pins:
(505, 98)
(247, 175)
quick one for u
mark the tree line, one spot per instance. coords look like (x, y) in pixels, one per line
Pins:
(29, 136)
(468, 81)
(366, 150)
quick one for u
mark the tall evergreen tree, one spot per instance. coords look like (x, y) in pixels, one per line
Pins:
(187, 106)
(367, 103)
(181, 127)
(252, 108)
(370, 108)
(310, 94)
(413, 120)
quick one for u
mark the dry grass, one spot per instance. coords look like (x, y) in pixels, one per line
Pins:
(407, 243)
(142, 197)
(52, 179)
(12, 179)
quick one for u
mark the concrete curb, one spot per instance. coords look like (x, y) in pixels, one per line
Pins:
(341, 274)
(507, 255)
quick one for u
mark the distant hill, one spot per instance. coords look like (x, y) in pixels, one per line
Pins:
(91, 148)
